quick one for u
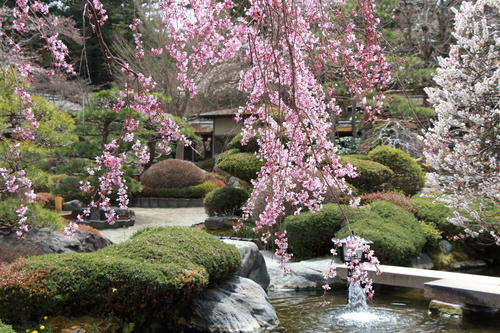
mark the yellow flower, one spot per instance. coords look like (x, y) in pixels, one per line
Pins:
(34, 332)
(42, 327)
(45, 317)
(114, 290)
(27, 330)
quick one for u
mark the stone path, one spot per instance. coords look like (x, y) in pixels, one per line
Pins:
(146, 217)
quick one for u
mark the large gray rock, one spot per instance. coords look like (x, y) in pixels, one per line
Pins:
(73, 204)
(220, 222)
(237, 305)
(303, 275)
(45, 241)
(423, 261)
(253, 265)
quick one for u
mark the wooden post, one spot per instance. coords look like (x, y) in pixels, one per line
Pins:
(58, 202)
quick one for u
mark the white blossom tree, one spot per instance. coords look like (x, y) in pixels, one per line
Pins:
(463, 145)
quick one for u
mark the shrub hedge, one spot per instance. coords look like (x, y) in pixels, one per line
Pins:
(428, 210)
(152, 275)
(225, 154)
(242, 165)
(396, 235)
(310, 234)
(373, 175)
(38, 217)
(197, 191)
(408, 176)
(225, 201)
(251, 147)
(391, 196)
(172, 173)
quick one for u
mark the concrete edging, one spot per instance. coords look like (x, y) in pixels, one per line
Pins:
(152, 202)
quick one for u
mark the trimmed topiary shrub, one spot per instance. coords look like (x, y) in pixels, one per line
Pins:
(225, 201)
(396, 235)
(38, 217)
(408, 176)
(172, 173)
(225, 154)
(430, 210)
(242, 165)
(391, 196)
(310, 234)
(190, 192)
(150, 276)
(373, 176)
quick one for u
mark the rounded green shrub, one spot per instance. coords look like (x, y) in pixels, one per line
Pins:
(193, 192)
(242, 165)
(38, 217)
(430, 210)
(251, 147)
(372, 177)
(310, 234)
(225, 154)
(225, 201)
(396, 235)
(153, 275)
(408, 176)
(172, 173)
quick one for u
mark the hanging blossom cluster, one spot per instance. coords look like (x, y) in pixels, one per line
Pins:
(463, 145)
(286, 44)
(26, 19)
(136, 95)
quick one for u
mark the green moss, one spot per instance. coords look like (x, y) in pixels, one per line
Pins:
(408, 176)
(197, 191)
(38, 217)
(373, 176)
(242, 165)
(152, 275)
(225, 201)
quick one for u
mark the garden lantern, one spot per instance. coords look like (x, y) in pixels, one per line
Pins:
(343, 250)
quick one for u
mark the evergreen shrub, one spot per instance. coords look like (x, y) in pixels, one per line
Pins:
(4, 328)
(225, 201)
(429, 210)
(190, 192)
(242, 165)
(172, 173)
(251, 147)
(38, 217)
(150, 276)
(408, 176)
(372, 177)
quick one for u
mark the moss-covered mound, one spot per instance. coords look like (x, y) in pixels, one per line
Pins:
(225, 201)
(152, 275)
(408, 176)
(242, 165)
(396, 235)
(372, 175)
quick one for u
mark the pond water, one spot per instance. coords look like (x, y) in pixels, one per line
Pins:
(392, 310)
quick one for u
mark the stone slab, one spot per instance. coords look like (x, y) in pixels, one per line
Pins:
(468, 292)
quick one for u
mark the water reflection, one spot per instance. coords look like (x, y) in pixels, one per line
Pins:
(393, 310)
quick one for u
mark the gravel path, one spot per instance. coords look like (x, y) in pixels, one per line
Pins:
(146, 217)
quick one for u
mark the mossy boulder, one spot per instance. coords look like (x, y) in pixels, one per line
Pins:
(372, 175)
(242, 165)
(225, 201)
(152, 275)
(408, 175)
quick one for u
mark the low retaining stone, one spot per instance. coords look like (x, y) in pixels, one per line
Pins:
(151, 202)
(445, 309)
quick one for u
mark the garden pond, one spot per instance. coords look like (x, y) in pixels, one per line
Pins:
(392, 310)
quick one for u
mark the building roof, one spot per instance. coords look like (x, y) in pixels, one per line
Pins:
(219, 113)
